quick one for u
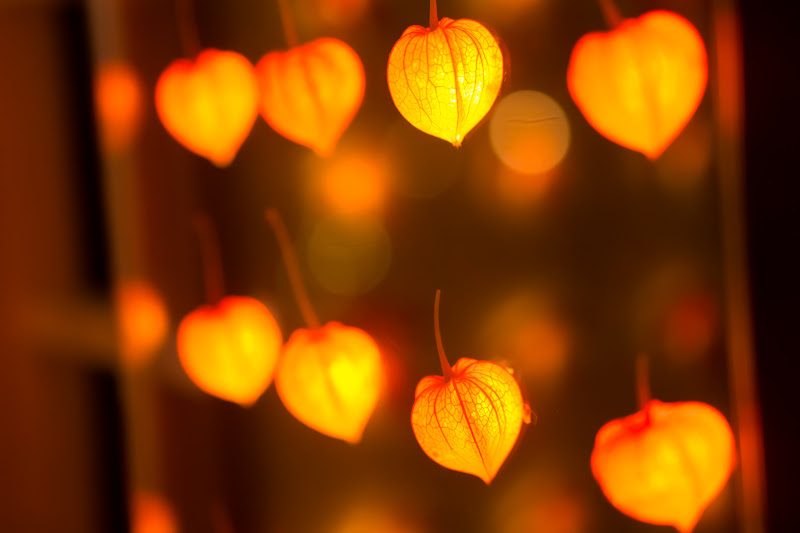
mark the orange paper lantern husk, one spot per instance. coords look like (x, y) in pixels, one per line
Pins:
(311, 93)
(470, 422)
(209, 105)
(665, 464)
(330, 379)
(230, 350)
(640, 83)
(444, 80)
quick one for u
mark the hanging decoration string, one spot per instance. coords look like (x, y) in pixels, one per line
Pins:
(187, 27)
(212, 261)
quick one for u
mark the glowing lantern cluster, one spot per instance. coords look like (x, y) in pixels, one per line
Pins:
(209, 105)
(666, 463)
(468, 420)
(310, 93)
(641, 82)
(330, 376)
(445, 78)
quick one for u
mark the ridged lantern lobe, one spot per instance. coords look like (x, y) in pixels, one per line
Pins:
(445, 78)
(469, 419)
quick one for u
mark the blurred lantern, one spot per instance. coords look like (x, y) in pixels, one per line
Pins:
(665, 464)
(468, 420)
(354, 184)
(209, 105)
(310, 93)
(229, 348)
(691, 324)
(529, 132)
(142, 321)
(329, 377)
(374, 517)
(641, 82)
(118, 104)
(151, 513)
(445, 78)
(339, 12)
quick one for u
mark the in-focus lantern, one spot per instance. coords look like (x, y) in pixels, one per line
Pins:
(209, 105)
(444, 79)
(310, 93)
(229, 348)
(469, 419)
(641, 82)
(665, 464)
(329, 377)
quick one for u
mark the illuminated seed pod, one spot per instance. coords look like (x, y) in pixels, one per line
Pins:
(310, 93)
(469, 419)
(444, 79)
(640, 83)
(665, 464)
(209, 105)
(330, 379)
(230, 350)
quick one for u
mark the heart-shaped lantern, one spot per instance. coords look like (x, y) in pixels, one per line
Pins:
(230, 349)
(445, 78)
(641, 82)
(469, 419)
(666, 463)
(310, 93)
(330, 378)
(209, 105)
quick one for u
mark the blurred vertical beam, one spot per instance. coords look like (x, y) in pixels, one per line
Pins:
(728, 100)
(124, 210)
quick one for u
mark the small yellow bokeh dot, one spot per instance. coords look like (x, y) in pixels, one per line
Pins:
(529, 132)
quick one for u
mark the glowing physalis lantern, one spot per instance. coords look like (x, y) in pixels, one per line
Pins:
(641, 82)
(210, 104)
(445, 78)
(665, 463)
(229, 348)
(118, 104)
(142, 321)
(329, 377)
(469, 419)
(310, 93)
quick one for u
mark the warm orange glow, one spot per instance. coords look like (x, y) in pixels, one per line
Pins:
(142, 320)
(230, 350)
(639, 84)
(340, 12)
(118, 103)
(310, 93)
(354, 185)
(152, 513)
(468, 420)
(529, 132)
(444, 79)
(666, 463)
(330, 379)
(691, 326)
(209, 105)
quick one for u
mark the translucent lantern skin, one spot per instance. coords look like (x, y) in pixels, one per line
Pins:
(209, 105)
(639, 84)
(445, 81)
(330, 379)
(665, 464)
(470, 422)
(230, 350)
(310, 93)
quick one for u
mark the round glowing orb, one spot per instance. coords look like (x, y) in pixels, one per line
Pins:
(118, 103)
(152, 513)
(354, 185)
(349, 258)
(529, 132)
(142, 321)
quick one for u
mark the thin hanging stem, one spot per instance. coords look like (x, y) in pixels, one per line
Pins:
(187, 27)
(611, 13)
(447, 370)
(292, 267)
(642, 380)
(288, 24)
(434, 21)
(212, 261)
